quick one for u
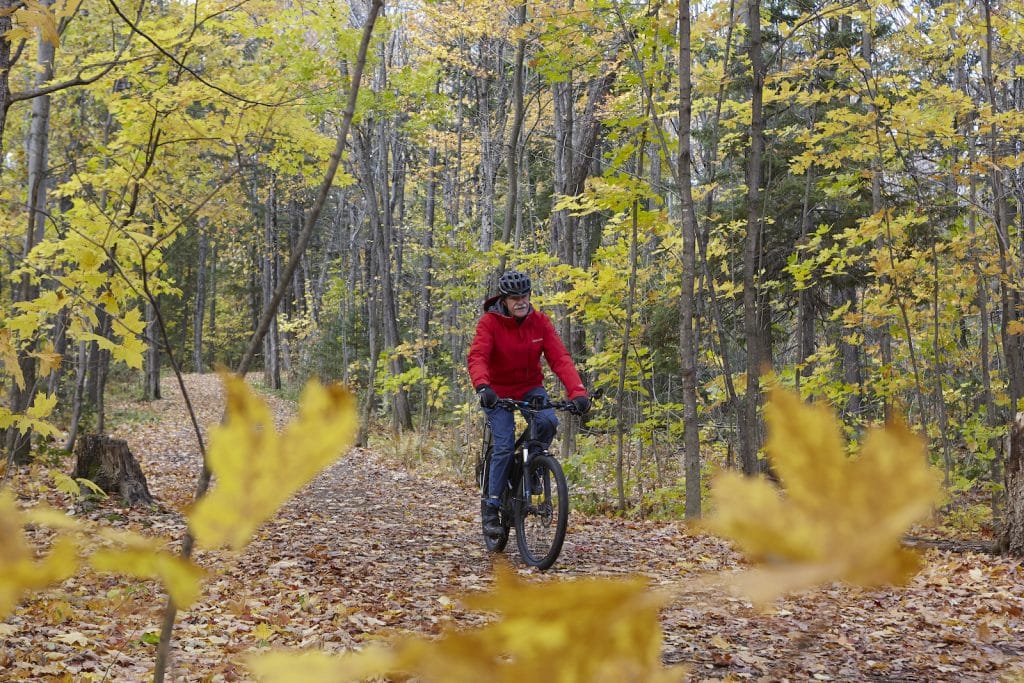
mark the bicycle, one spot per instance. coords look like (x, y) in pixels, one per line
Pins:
(538, 504)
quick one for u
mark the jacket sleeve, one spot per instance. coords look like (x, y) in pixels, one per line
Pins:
(560, 361)
(480, 353)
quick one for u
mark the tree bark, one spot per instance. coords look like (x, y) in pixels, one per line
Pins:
(1012, 540)
(627, 331)
(79, 390)
(687, 332)
(151, 391)
(199, 305)
(268, 282)
(749, 426)
(108, 463)
(19, 443)
(512, 149)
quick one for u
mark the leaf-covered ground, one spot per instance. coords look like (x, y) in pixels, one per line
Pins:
(370, 550)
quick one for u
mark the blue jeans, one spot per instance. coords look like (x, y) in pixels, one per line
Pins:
(503, 425)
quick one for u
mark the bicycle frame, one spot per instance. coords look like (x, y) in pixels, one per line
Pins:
(527, 444)
(535, 495)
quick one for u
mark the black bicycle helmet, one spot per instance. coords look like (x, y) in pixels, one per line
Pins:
(513, 283)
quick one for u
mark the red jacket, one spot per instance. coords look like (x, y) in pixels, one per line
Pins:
(505, 353)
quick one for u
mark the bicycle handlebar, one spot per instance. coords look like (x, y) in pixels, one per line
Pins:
(536, 406)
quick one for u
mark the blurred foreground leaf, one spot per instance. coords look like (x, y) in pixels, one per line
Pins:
(19, 571)
(143, 559)
(257, 469)
(836, 517)
(588, 630)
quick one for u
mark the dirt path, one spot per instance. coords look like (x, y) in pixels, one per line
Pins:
(369, 549)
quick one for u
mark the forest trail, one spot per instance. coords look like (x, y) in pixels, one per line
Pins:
(369, 550)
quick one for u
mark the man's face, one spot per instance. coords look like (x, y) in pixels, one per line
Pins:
(518, 306)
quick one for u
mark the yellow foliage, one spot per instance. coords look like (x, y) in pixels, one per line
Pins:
(34, 14)
(9, 357)
(35, 417)
(19, 572)
(143, 559)
(836, 518)
(49, 360)
(588, 630)
(257, 469)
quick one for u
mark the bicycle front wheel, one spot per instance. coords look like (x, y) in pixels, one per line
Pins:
(541, 521)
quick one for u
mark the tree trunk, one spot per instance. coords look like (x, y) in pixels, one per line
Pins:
(212, 316)
(76, 402)
(1002, 214)
(627, 331)
(268, 282)
(850, 356)
(199, 305)
(7, 8)
(512, 167)
(152, 384)
(687, 332)
(374, 176)
(1012, 540)
(109, 464)
(749, 427)
(19, 443)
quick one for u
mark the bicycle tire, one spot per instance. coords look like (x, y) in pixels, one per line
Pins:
(542, 521)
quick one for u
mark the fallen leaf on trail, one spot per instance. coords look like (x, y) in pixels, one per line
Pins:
(73, 638)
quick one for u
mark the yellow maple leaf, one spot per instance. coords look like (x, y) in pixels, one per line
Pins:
(42, 406)
(567, 631)
(836, 517)
(19, 570)
(49, 360)
(35, 417)
(130, 351)
(37, 15)
(257, 469)
(9, 357)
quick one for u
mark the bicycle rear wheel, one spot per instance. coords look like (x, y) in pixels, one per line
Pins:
(542, 520)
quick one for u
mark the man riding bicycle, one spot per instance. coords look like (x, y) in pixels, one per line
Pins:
(504, 361)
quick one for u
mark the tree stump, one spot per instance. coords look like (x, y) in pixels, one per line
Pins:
(109, 464)
(1012, 541)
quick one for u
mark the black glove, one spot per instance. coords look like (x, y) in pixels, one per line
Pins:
(488, 399)
(582, 404)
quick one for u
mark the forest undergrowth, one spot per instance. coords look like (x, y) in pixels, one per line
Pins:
(382, 545)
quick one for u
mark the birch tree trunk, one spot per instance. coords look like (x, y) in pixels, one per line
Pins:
(199, 304)
(268, 283)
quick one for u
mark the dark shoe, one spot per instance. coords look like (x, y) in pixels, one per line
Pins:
(489, 517)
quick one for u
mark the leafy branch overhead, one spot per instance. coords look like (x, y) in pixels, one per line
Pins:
(835, 517)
